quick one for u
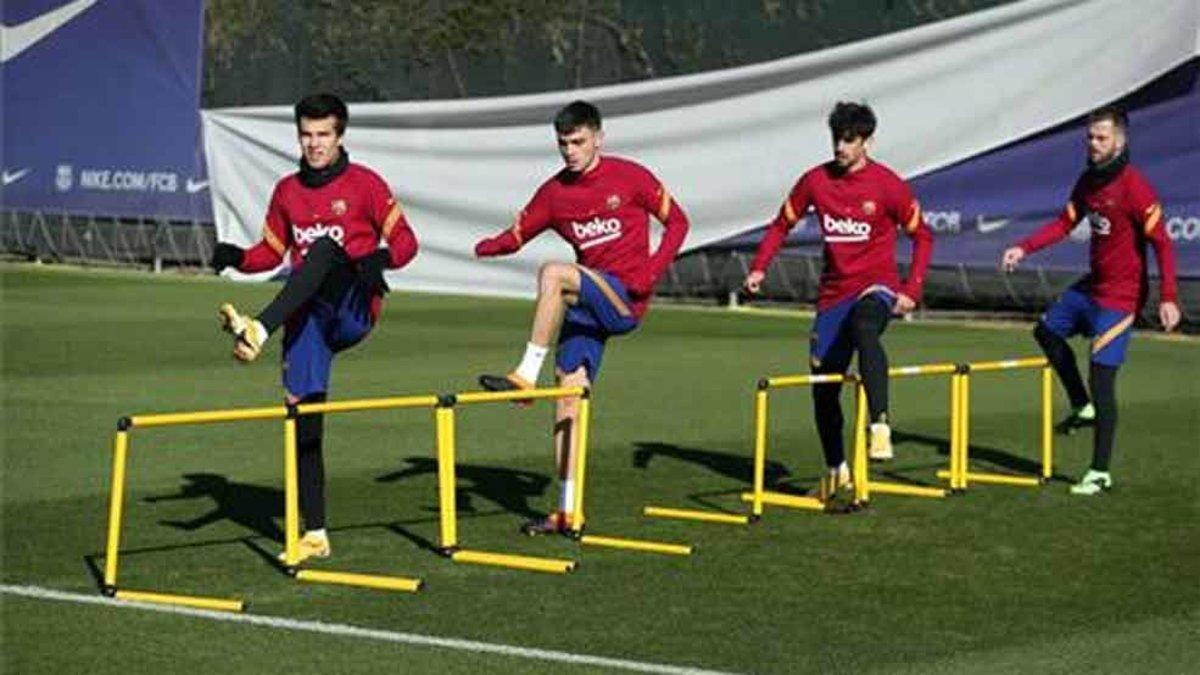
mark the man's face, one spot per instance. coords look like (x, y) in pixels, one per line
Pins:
(850, 152)
(319, 141)
(1104, 141)
(580, 148)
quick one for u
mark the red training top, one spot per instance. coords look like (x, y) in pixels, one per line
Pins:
(604, 214)
(356, 209)
(1124, 214)
(859, 213)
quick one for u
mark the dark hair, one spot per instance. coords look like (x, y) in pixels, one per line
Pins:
(1111, 113)
(577, 114)
(851, 120)
(320, 106)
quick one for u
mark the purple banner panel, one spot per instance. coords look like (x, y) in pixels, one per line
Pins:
(102, 108)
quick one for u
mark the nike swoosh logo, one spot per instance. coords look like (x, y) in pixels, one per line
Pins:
(16, 39)
(14, 176)
(986, 226)
(194, 186)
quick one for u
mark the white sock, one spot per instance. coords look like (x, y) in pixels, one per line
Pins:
(320, 534)
(531, 363)
(566, 496)
(835, 470)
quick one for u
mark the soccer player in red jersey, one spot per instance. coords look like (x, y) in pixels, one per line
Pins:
(859, 204)
(340, 227)
(600, 204)
(1124, 214)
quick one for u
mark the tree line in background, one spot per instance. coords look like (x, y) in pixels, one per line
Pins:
(274, 51)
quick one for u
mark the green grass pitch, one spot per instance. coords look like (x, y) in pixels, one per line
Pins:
(999, 579)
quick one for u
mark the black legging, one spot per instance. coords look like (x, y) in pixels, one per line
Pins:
(310, 465)
(327, 272)
(1062, 359)
(1103, 381)
(867, 321)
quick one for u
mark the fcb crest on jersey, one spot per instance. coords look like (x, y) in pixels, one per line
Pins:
(338, 206)
(613, 202)
(868, 207)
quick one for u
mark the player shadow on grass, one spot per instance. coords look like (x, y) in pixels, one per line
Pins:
(510, 489)
(253, 507)
(1000, 459)
(737, 467)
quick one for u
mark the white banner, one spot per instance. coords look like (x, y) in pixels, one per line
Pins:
(728, 144)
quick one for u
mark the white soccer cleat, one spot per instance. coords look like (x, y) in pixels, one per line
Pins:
(248, 334)
(310, 546)
(1093, 483)
(881, 443)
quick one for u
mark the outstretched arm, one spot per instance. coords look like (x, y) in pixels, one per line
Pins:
(789, 214)
(1050, 233)
(529, 223)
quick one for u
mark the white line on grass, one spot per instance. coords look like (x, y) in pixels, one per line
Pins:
(347, 630)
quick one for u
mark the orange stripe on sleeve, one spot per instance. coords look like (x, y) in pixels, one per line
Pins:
(1153, 216)
(915, 218)
(789, 212)
(516, 227)
(664, 204)
(272, 240)
(392, 218)
(1071, 215)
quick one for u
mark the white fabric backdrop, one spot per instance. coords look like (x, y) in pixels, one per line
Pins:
(728, 144)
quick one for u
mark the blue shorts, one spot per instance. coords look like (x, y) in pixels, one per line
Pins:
(830, 341)
(603, 310)
(315, 333)
(1076, 313)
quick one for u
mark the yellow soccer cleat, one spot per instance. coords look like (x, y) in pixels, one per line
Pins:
(248, 334)
(310, 546)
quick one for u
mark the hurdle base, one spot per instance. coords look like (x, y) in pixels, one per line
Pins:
(997, 478)
(790, 501)
(195, 601)
(636, 545)
(376, 581)
(703, 516)
(885, 488)
(520, 562)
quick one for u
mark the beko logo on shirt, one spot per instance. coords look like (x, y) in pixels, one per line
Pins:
(596, 231)
(845, 229)
(305, 236)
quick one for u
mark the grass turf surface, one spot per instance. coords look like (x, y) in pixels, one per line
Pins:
(995, 579)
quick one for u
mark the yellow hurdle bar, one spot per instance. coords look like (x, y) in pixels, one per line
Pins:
(368, 404)
(116, 503)
(291, 496)
(927, 369)
(382, 582)
(760, 449)
(447, 509)
(906, 490)
(804, 380)
(520, 562)
(581, 448)
(1047, 424)
(860, 471)
(782, 499)
(1008, 364)
(689, 514)
(997, 478)
(208, 416)
(636, 545)
(197, 601)
(521, 395)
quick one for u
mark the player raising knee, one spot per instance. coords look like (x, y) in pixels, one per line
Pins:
(342, 229)
(600, 204)
(1124, 214)
(859, 204)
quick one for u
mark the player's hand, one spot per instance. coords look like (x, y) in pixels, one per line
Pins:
(904, 304)
(1011, 258)
(1168, 314)
(370, 270)
(487, 248)
(753, 282)
(227, 255)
